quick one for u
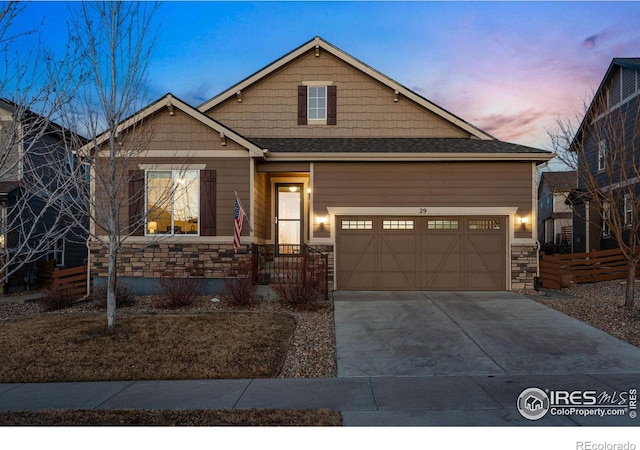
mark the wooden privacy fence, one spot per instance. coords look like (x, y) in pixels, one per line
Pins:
(74, 279)
(558, 271)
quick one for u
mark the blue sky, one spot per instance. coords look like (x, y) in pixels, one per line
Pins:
(510, 68)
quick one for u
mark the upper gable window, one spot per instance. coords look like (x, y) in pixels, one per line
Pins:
(317, 103)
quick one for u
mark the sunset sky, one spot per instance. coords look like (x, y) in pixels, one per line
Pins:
(510, 68)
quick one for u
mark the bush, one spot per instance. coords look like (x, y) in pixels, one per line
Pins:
(240, 290)
(124, 297)
(295, 285)
(58, 297)
(180, 292)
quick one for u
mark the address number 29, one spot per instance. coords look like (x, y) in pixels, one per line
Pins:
(422, 210)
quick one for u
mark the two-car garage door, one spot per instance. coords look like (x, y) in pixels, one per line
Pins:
(421, 253)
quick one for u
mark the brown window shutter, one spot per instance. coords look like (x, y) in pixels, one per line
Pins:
(302, 105)
(331, 105)
(136, 202)
(207, 203)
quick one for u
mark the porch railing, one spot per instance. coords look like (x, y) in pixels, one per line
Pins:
(283, 263)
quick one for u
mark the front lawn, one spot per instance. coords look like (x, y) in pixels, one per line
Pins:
(145, 346)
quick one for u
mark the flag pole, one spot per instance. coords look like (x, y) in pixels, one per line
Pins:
(245, 211)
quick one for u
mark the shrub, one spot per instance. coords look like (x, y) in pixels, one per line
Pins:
(180, 292)
(295, 284)
(124, 297)
(240, 290)
(58, 297)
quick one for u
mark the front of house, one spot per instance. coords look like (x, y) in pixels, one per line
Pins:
(324, 151)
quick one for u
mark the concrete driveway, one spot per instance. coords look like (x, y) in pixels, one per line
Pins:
(416, 334)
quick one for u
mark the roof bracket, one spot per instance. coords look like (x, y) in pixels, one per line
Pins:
(396, 94)
(223, 139)
(317, 46)
(170, 106)
(239, 95)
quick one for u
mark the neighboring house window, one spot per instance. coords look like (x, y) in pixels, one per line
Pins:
(602, 153)
(173, 202)
(606, 218)
(3, 226)
(57, 253)
(317, 104)
(628, 211)
(69, 162)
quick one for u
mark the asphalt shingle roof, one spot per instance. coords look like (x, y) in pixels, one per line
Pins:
(390, 145)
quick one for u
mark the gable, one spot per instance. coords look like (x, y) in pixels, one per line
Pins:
(368, 103)
(169, 125)
(623, 81)
(180, 135)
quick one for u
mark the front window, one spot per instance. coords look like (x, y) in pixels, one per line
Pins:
(317, 101)
(173, 202)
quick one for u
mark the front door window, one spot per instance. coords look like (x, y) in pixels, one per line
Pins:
(289, 217)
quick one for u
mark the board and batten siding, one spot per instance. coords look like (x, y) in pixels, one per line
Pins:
(423, 184)
(365, 107)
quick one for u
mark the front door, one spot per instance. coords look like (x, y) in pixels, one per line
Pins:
(289, 217)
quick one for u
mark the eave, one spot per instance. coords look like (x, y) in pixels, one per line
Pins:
(538, 158)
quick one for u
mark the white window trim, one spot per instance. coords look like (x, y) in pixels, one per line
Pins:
(59, 250)
(602, 154)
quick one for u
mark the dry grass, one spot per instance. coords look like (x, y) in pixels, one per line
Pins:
(77, 347)
(222, 417)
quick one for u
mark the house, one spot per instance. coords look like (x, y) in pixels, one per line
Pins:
(555, 216)
(606, 148)
(326, 152)
(33, 227)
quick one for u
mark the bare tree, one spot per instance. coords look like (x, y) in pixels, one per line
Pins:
(116, 40)
(34, 87)
(604, 150)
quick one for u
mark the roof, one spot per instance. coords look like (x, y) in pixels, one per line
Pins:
(560, 181)
(317, 44)
(416, 148)
(170, 101)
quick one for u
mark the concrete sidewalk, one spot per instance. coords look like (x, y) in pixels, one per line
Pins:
(363, 401)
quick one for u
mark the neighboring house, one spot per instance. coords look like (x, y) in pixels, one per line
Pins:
(555, 216)
(617, 97)
(325, 151)
(30, 144)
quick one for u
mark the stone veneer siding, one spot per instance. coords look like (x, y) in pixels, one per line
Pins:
(524, 266)
(173, 259)
(212, 261)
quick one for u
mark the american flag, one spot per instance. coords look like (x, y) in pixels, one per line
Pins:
(238, 217)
